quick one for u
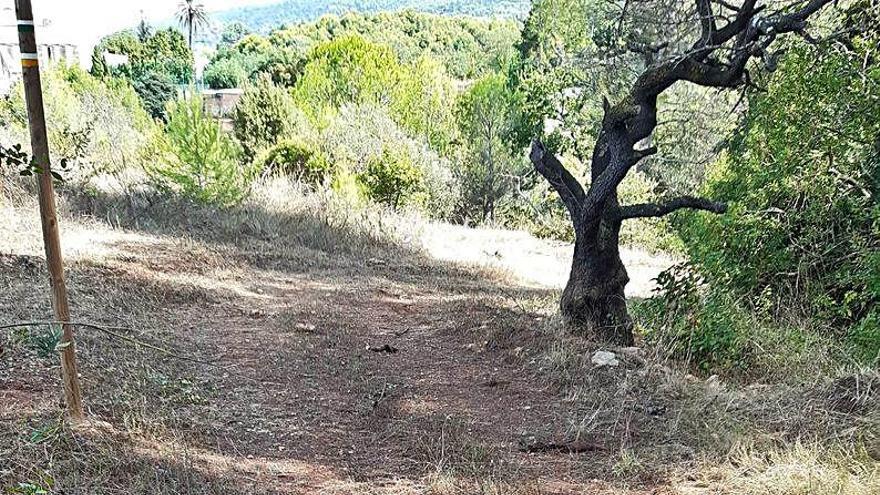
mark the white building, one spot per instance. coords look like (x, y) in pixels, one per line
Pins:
(51, 48)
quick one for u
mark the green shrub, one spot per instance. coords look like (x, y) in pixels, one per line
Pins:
(283, 66)
(156, 90)
(197, 159)
(391, 179)
(347, 186)
(865, 338)
(264, 115)
(165, 52)
(296, 158)
(421, 100)
(709, 328)
(224, 74)
(347, 70)
(801, 178)
(491, 161)
(695, 324)
(359, 136)
(99, 126)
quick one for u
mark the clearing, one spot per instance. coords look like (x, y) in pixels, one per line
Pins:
(306, 355)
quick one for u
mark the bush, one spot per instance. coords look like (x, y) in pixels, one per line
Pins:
(693, 324)
(803, 220)
(296, 158)
(347, 70)
(359, 136)
(713, 331)
(421, 103)
(197, 159)
(165, 52)
(225, 74)
(263, 116)
(283, 66)
(391, 179)
(99, 126)
(489, 120)
(156, 90)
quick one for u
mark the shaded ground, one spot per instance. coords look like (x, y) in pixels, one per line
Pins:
(336, 370)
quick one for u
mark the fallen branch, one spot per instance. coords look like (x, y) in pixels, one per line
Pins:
(387, 349)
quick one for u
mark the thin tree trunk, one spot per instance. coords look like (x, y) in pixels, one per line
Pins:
(51, 236)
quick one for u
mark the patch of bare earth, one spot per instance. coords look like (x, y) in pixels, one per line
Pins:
(287, 369)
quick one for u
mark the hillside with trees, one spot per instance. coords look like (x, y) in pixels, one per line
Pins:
(264, 18)
(557, 247)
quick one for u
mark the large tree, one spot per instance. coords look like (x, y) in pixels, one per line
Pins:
(726, 37)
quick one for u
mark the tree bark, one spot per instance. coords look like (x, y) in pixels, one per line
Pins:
(593, 304)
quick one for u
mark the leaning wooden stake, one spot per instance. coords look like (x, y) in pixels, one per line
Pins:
(39, 142)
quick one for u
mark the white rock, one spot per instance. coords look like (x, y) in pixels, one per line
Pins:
(605, 358)
(714, 382)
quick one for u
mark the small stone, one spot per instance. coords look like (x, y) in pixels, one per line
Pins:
(306, 327)
(605, 358)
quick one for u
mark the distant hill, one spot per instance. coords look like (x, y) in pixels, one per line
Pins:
(266, 17)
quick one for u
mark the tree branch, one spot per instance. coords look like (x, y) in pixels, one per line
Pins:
(749, 35)
(651, 210)
(707, 21)
(563, 182)
(606, 183)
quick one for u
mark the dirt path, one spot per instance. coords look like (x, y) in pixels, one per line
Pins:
(336, 375)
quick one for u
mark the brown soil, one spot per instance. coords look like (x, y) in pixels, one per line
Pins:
(305, 396)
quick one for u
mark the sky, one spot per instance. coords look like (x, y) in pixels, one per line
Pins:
(85, 22)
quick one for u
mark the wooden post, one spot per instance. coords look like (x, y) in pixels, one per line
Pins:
(40, 143)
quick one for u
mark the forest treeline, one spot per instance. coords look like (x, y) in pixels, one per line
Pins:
(265, 18)
(431, 113)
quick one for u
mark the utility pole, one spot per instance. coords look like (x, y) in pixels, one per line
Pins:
(40, 143)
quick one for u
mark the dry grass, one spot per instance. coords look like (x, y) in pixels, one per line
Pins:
(795, 469)
(660, 423)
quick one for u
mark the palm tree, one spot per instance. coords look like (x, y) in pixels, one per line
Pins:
(192, 16)
(144, 31)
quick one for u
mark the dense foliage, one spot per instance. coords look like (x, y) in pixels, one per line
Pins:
(265, 18)
(467, 48)
(265, 115)
(801, 243)
(490, 122)
(197, 159)
(154, 63)
(99, 126)
(299, 159)
(164, 52)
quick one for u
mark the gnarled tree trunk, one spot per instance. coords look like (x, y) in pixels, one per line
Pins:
(594, 302)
